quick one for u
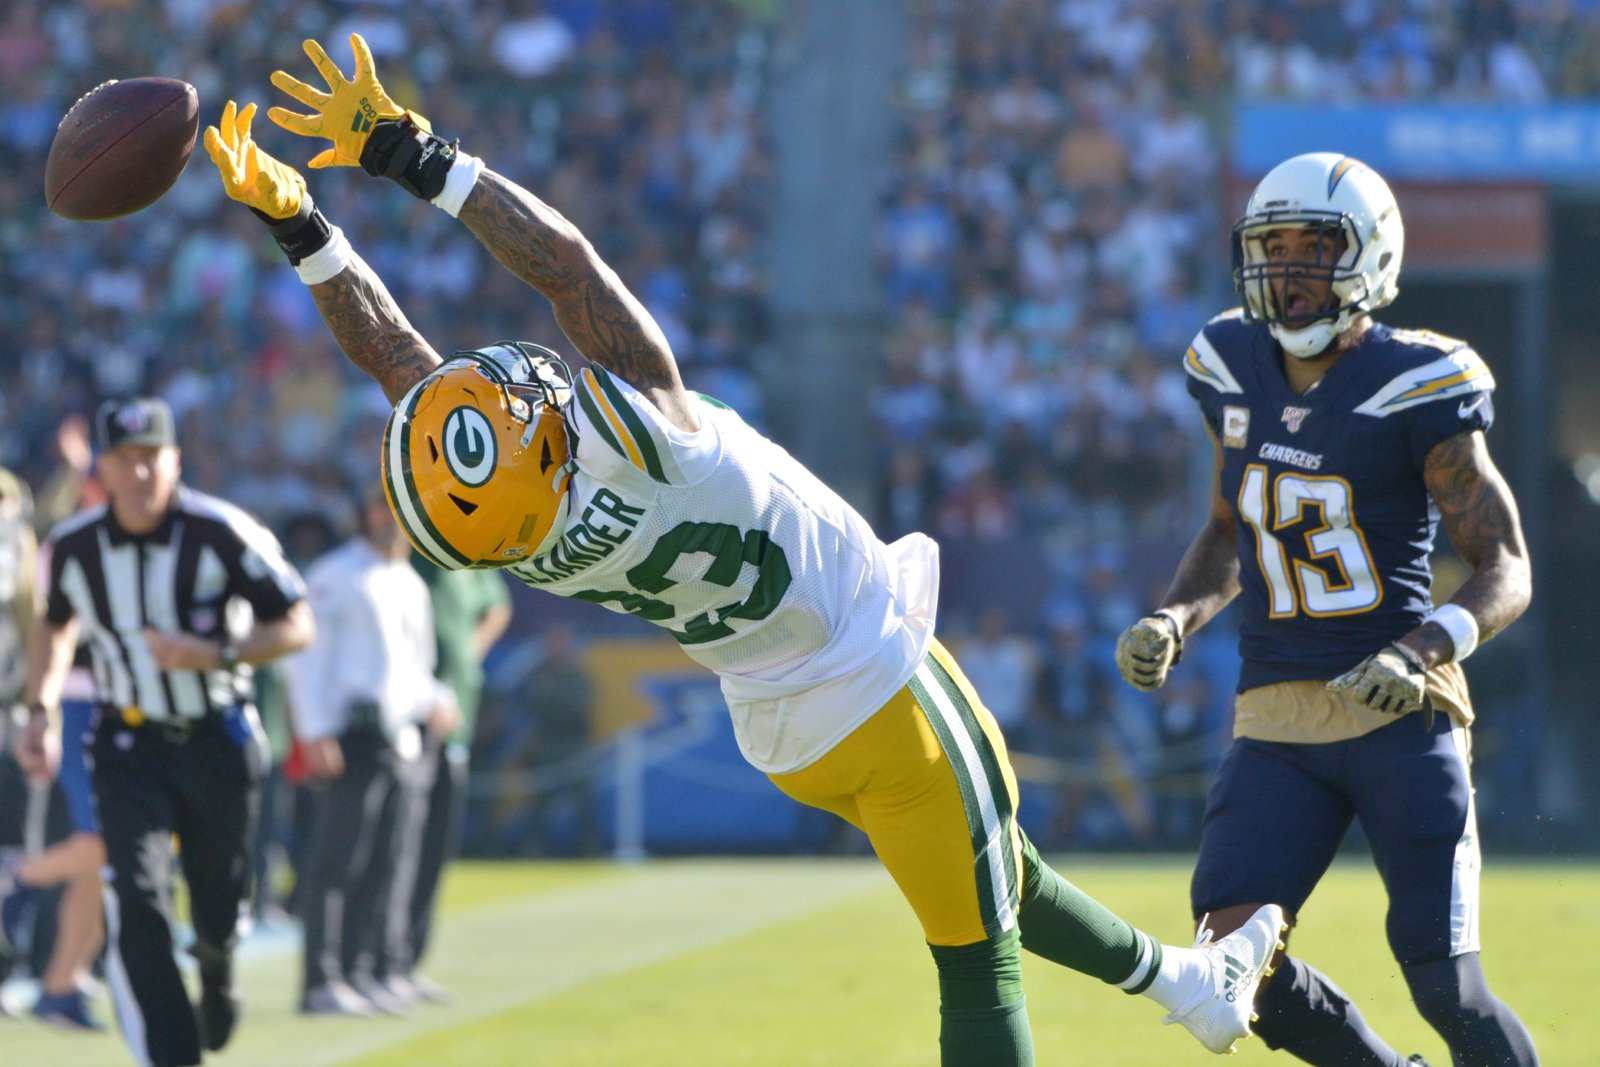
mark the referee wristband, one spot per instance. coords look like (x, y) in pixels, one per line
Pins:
(1459, 623)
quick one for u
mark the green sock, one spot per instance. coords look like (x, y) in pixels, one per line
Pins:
(983, 1018)
(986, 1037)
(1065, 925)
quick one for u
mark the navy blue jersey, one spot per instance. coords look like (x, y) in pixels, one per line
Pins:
(1335, 522)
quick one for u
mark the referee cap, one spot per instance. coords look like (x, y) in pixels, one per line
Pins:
(144, 420)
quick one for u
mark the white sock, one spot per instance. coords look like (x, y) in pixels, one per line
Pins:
(1141, 970)
(1183, 971)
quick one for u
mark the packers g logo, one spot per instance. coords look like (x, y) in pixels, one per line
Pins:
(469, 446)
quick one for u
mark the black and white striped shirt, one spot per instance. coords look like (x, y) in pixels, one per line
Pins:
(207, 570)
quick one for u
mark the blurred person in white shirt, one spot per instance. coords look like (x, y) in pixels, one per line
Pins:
(1002, 665)
(361, 697)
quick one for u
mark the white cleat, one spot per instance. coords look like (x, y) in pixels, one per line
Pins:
(1220, 1011)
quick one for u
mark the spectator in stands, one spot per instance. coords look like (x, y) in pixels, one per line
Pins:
(1068, 705)
(1181, 771)
(1002, 666)
(532, 44)
(917, 246)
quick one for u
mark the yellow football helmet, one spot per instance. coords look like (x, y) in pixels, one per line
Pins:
(476, 458)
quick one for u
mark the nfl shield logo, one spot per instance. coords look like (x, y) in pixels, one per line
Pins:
(1293, 417)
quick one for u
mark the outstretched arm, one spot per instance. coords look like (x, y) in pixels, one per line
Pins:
(353, 300)
(596, 311)
(372, 330)
(370, 130)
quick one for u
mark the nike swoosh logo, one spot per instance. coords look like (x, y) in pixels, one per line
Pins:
(1467, 406)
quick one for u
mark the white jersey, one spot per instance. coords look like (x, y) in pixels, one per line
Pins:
(761, 572)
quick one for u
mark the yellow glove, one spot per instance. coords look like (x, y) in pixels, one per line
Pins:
(346, 113)
(249, 175)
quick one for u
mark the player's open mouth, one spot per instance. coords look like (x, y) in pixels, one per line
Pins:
(1297, 304)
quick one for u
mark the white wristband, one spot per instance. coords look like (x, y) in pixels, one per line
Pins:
(463, 175)
(326, 261)
(1458, 622)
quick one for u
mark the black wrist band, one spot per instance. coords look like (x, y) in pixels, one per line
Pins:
(1412, 658)
(302, 233)
(37, 708)
(409, 156)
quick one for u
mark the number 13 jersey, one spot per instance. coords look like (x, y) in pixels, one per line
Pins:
(1335, 522)
(760, 571)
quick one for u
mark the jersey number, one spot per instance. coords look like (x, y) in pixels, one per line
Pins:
(730, 550)
(1348, 585)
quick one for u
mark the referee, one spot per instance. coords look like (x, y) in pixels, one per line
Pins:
(178, 594)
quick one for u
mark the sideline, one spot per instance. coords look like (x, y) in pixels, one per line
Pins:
(578, 936)
(499, 955)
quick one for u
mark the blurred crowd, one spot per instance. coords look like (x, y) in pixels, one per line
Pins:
(1052, 238)
(639, 119)
(636, 118)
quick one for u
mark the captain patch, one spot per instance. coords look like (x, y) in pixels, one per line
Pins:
(1235, 426)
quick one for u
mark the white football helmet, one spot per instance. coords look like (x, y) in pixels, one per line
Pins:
(1342, 197)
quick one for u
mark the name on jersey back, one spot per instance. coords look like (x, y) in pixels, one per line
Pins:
(586, 543)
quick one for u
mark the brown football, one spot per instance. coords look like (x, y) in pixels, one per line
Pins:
(120, 147)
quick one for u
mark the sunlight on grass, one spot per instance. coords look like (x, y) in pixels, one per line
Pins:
(805, 963)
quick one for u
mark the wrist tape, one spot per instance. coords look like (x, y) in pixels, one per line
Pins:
(458, 183)
(316, 248)
(1177, 633)
(326, 261)
(408, 155)
(301, 234)
(1460, 624)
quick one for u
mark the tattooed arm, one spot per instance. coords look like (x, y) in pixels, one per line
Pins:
(1208, 576)
(372, 329)
(604, 321)
(1480, 516)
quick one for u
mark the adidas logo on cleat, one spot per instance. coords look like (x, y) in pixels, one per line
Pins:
(1218, 1009)
(1232, 969)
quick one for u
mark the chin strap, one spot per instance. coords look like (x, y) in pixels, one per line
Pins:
(1309, 342)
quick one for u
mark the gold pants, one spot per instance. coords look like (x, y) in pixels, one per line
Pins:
(928, 780)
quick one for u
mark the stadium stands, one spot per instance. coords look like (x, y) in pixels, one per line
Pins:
(1054, 235)
(1052, 239)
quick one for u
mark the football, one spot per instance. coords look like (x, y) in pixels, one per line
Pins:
(120, 147)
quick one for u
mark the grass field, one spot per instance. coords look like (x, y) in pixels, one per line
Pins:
(784, 963)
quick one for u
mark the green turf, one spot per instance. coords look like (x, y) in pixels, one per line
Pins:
(772, 963)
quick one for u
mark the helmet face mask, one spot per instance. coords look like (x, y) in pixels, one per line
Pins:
(476, 456)
(1345, 216)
